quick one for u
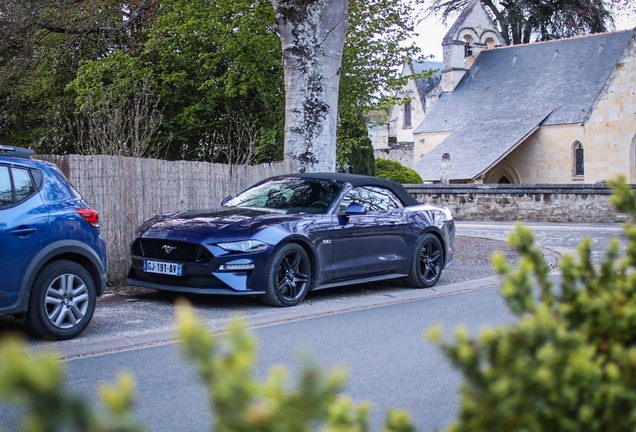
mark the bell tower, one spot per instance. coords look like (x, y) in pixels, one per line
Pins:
(472, 32)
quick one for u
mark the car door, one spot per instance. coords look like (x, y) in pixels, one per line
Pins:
(368, 244)
(23, 225)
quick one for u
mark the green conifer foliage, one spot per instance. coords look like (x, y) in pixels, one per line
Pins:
(354, 146)
(569, 362)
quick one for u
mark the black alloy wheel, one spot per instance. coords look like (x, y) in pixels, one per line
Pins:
(288, 277)
(426, 267)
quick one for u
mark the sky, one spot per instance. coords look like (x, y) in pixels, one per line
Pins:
(432, 31)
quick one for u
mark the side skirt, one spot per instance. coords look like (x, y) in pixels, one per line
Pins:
(361, 280)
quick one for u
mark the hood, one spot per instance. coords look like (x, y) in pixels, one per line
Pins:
(204, 224)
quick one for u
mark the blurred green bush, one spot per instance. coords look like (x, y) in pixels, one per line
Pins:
(393, 170)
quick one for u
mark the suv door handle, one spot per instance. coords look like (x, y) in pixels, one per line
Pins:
(23, 232)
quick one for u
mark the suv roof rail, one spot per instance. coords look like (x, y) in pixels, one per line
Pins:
(11, 151)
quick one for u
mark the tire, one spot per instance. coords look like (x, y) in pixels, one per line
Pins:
(427, 264)
(62, 301)
(288, 277)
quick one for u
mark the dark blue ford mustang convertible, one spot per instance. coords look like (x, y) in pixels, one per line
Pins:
(291, 234)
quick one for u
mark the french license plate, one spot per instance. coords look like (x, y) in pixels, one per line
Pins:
(162, 267)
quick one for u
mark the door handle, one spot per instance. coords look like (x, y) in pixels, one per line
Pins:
(23, 232)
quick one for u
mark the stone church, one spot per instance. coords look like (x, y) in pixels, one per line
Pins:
(561, 111)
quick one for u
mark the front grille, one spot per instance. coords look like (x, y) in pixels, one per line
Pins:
(171, 250)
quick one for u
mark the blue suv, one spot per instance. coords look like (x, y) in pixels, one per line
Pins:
(52, 256)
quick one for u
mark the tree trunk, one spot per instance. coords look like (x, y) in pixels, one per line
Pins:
(312, 33)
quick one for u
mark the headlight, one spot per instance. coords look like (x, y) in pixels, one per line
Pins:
(244, 246)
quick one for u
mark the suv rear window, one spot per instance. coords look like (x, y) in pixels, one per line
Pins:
(6, 192)
(22, 183)
(21, 189)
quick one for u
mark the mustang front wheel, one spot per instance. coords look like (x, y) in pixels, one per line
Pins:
(426, 267)
(288, 277)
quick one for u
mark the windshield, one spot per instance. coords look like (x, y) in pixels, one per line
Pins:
(290, 194)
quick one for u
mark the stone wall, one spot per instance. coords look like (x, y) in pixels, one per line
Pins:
(379, 134)
(401, 152)
(527, 202)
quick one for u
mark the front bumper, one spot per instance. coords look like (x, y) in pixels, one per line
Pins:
(213, 271)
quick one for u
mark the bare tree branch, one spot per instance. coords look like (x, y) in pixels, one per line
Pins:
(131, 18)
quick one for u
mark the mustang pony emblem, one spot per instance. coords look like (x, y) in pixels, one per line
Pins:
(167, 249)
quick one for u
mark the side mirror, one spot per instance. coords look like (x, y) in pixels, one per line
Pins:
(227, 198)
(356, 209)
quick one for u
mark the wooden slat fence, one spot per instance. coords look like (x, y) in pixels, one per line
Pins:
(127, 191)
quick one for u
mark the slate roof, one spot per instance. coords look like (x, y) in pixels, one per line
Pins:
(424, 86)
(509, 92)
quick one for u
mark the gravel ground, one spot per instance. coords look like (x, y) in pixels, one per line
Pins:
(124, 309)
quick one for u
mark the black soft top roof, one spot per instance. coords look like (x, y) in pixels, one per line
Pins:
(357, 180)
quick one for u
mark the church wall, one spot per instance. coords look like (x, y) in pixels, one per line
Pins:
(611, 128)
(607, 137)
(546, 156)
(405, 133)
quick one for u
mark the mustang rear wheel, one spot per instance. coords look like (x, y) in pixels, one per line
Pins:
(426, 267)
(288, 277)
(62, 301)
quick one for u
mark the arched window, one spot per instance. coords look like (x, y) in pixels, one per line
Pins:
(468, 51)
(407, 115)
(578, 160)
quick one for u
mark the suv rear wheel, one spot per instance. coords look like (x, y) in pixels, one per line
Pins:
(62, 301)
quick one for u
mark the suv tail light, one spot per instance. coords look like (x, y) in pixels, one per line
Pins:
(90, 215)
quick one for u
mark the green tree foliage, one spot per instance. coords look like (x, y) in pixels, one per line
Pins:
(393, 170)
(521, 21)
(218, 70)
(374, 53)
(354, 146)
(215, 68)
(42, 44)
(569, 362)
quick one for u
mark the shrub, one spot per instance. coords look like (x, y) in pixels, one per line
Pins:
(38, 384)
(393, 170)
(569, 362)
